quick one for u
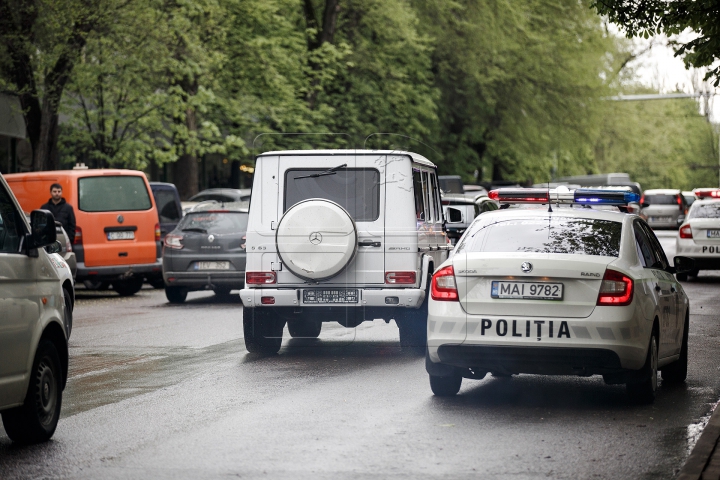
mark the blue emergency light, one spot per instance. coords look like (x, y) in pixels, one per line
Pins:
(561, 195)
(587, 196)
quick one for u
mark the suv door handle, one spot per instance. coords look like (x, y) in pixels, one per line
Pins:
(369, 243)
(672, 289)
(657, 288)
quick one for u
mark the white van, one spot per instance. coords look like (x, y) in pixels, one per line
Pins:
(36, 301)
(340, 236)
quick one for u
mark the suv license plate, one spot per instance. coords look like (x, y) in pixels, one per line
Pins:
(527, 290)
(341, 295)
(713, 233)
(123, 235)
(212, 266)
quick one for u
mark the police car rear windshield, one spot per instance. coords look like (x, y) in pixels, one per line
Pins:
(705, 211)
(212, 222)
(357, 190)
(576, 236)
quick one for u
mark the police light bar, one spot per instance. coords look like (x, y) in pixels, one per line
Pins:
(582, 196)
(701, 193)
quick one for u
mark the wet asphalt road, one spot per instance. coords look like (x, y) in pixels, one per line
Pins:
(161, 391)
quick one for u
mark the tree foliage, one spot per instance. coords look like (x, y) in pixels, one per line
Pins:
(650, 17)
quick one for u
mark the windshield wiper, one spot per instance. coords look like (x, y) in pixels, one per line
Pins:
(330, 171)
(199, 230)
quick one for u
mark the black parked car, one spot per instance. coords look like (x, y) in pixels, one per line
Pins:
(206, 251)
(167, 200)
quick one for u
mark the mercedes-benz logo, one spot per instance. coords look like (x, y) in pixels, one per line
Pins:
(120, 218)
(526, 267)
(316, 238)
(211, 238)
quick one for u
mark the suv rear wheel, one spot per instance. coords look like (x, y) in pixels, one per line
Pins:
(305, 328)
(412, 324)
(36, 420)
(263, 330)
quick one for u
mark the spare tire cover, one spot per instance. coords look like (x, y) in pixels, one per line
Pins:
(316, 239)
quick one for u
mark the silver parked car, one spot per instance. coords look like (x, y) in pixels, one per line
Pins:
(663, 208)
(206, 251)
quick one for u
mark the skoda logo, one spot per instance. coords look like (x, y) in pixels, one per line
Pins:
(526, 267)
(120, 218)
(316, 238)
(211, 238)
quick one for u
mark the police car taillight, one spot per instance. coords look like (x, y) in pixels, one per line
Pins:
(443, 287)
(686, 231)
(615, 289)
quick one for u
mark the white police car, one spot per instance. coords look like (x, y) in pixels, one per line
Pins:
(699, 236)
(564, 290)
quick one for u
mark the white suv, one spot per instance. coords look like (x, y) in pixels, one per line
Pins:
(340, 235)
(36, 299)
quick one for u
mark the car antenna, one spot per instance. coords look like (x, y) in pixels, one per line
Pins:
(550, 210)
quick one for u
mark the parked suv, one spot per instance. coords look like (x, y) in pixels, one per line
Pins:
(117, 238)
(206, 251)
(340, 235)
(36, 301)
(663, 208)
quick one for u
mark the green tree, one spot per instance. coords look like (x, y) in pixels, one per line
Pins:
(650, 17)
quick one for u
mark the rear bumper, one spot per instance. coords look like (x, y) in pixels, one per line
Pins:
(206, 279)
(380, 297)
(707, 257)
(117, 271)
(674, 223)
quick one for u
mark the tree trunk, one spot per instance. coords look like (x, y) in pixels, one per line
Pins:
(325, 34)
(186, 168)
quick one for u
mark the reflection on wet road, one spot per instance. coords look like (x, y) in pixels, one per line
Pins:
(159, 390)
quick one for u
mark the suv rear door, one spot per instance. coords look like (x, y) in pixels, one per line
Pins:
(359, 187)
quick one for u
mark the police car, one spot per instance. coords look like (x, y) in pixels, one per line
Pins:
(699, 236)
(561, 289)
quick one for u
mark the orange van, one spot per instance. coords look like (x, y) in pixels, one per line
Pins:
(117, 239)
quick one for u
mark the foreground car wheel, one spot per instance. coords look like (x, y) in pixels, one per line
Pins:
(263, 330)
(676, 372)
(176, 294)
(129, 287)
(305, 329)
(68, 312)
(445, 386)
(36, 420)
(644, 392)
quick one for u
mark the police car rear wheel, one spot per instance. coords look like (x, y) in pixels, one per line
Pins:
(445, 386)
(644, 392)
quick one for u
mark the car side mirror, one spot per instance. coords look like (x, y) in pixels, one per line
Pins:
(454, 215)
(683, 265)
(42, 229)
(54, 247)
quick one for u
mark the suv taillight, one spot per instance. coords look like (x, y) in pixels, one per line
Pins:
(260, 278)
(443, 286)
(173, 241)
(616, 289)
(686, 231)
(78, 236)
(395, 278)
(158, 233)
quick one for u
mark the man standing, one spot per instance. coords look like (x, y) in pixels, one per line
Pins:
(61, 210)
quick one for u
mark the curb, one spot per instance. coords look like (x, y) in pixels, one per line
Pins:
(704, 460)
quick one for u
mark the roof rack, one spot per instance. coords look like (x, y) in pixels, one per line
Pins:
(563, 195)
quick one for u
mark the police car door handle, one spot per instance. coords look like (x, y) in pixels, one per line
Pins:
(369, 243)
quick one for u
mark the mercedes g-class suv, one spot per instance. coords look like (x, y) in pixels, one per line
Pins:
(340, 235)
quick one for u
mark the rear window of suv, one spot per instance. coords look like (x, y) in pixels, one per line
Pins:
(357, 190)
(579, 236)
(113, 194)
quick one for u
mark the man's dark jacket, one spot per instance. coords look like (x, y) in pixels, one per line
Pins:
(63, 213)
